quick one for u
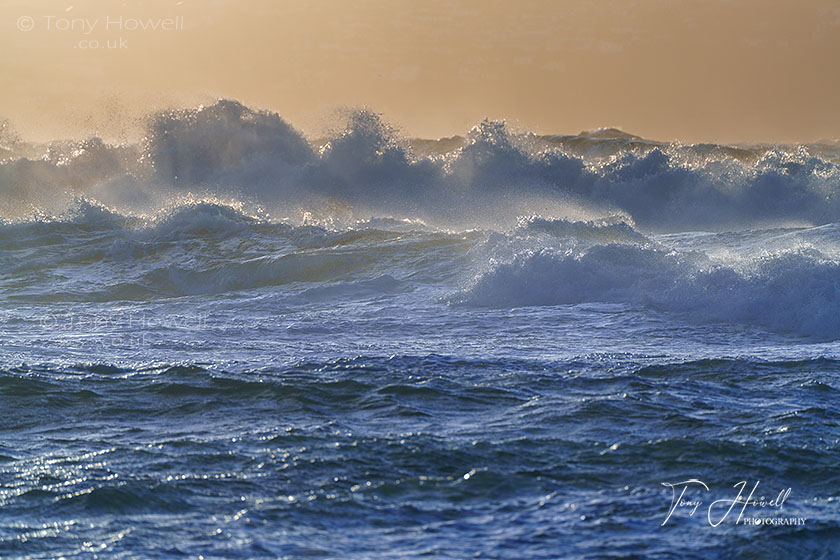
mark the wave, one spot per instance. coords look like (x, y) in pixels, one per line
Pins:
(795, 291)
(370, 381)
(612, 229)
(494, 173)
(785, 280)
(206, 247)
(226, 198)
(194, 145)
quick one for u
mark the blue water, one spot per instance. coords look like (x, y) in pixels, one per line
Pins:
(209, 377)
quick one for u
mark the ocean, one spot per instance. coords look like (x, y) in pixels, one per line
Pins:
(227, 340)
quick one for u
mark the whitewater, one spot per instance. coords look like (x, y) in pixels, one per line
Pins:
(228, 339)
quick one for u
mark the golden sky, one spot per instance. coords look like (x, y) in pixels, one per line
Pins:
(704, 70)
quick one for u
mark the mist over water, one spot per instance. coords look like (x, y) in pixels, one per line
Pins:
(572, 218)
(487, 177)
(400, 347)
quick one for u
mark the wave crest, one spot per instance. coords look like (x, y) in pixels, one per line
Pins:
(493, 174)
(791, 291)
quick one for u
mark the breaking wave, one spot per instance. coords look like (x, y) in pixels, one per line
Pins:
(225, 199)
(793, 291)
(491, 175)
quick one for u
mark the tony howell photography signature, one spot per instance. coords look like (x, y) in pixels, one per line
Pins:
(742, 504)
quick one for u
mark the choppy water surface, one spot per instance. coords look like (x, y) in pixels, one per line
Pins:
(240, 377)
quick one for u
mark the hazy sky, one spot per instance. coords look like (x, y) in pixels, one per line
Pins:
(722, 70)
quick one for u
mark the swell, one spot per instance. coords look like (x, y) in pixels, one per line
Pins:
(368, 383)
(787, 280)
(372, 381)
(92, 253)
